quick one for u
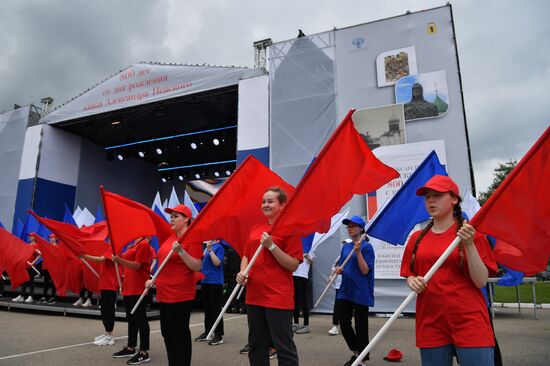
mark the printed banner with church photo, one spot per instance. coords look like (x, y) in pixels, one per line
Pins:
(424, 95)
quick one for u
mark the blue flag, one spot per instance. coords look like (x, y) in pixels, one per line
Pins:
(307, 242)
(43, 232)
(68, 217)
(2, 226)
(396, 220)
(31, 226)
(510, 277)
(18, 229)
(99, 215)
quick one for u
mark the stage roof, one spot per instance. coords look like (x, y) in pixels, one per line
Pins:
(148, 106)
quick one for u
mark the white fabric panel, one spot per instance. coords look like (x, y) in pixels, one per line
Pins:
(30, 152)
(59, 156)
(13, 125)
(253, 132)
(144, 83)
(85, 218)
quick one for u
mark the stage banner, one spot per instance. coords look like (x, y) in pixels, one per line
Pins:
(405, 159)
(145, 83)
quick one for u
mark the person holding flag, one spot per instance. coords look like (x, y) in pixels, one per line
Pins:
(31, 270)
(136, 261)
(108, 286)
(270, 288)
(451, 313)
(176, 287)
(212, 290)
(356, 291)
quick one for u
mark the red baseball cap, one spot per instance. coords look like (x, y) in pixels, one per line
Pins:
(182, 209)
(439, 183)
(394, 355)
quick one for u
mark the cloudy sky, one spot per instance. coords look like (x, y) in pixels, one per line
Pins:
(59, 48)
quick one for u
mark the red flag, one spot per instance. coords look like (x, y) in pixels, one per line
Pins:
(71, 236)
(56, 262)
(96, 232)
(97, 249)
(236, 207)
(344, 167)
(128, 220)
(14, 254)
(518, 212)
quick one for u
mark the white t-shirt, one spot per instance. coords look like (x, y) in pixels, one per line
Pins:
(303, 268)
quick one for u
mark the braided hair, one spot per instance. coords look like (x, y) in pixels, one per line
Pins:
(457, 214)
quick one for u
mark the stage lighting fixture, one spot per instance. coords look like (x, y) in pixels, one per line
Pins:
(217, 174)
(198, 176)
(180, 177)
(141, 154)
(163, 180)
(216, 142)
(193, 146)
(228, 173)
(120, 157)
(159, 151)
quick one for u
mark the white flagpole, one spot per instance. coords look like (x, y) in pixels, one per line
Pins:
(228, 302)
(90, 267)
(33, 267)
(144, 293)
(409, 298)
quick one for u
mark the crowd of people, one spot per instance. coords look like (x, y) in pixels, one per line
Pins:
(451, 316)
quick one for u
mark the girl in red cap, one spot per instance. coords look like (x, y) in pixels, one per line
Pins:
(270, 288)
(176, 287)
(136, 261)
(451, 313)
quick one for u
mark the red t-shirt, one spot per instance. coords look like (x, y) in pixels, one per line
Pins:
(269, 284)
(134, 280)
(176, 282)
(107, 273)
(451, 310)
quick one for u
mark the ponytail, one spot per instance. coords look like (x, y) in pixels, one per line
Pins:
(417, 242)
(457, 213)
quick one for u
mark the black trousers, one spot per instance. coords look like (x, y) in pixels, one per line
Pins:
(356, 339)
(212, 301)
(335, 310)
(174, 327)
(107, 301)
(48, 284)
(300, 299)
(266, 325)
(29, 284)
(137, 323)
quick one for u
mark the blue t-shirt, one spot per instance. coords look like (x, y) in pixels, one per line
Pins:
(356, 286)
(213, 275)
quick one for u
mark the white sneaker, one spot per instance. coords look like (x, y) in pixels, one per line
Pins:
(105, 341)
(334, 330)
(100, 336)
(78, 302)
(18, 299)
(87, 304)
(29, 299)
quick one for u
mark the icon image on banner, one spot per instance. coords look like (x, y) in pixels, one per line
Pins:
(431, 28)
(424, 95)
(395, 64)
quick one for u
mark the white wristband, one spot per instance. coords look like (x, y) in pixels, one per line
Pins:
(272, 246)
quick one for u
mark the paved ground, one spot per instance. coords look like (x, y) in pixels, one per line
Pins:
(30, 338)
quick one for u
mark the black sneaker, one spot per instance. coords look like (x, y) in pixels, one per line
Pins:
(139, 358)
(201, 338)
(351, 361)
(216, 340)
(51, 300)
(42, 300)
(245, 349)
(125, 352)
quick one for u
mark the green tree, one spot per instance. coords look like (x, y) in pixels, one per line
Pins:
(501, 172)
